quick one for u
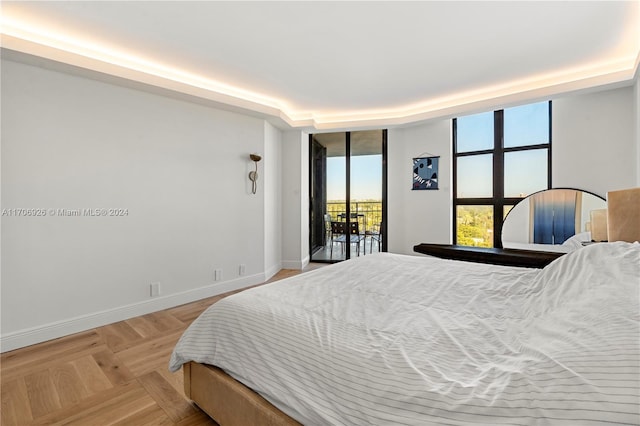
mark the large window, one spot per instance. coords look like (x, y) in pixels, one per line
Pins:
(499, 158)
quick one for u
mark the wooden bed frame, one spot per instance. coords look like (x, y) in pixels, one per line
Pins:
(227, 401)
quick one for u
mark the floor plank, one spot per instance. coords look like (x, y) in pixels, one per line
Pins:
(150, 416)
(36, 360)
(113, 368)
(189, 312)
(142, 326)
(119, 335)
(53, 348)
(117, 374)
(69, 385)
(15, 403)
(198, 419)
(164, 322)
(92, 375)
(43, 396)
(168, 398)
(114, 405)
(175, 379)
(150, 355)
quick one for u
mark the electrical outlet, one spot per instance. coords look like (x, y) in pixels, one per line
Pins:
(154, 289)
(217, 275)
(243, 269)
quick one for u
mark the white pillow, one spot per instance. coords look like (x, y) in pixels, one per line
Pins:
(576, 241)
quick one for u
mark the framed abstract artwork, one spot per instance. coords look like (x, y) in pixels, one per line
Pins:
(425, 173)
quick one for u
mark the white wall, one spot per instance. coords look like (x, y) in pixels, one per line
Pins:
(295, 199)
(418, 216)
(594, 145)
(180, 170)
(272, 201)
(594, 148)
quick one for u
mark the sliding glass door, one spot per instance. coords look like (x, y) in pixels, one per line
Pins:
(348, 194)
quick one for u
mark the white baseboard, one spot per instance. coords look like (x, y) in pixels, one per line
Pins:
(295, 264)
(31, 336)
(272, 270)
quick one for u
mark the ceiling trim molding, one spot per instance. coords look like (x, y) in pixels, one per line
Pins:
(21, 39)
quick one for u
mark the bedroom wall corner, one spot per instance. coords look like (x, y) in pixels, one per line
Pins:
(295, 199)
(272, 200)
(418, 216)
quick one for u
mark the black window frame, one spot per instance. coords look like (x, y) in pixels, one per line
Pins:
(383, 228)
(498, 201)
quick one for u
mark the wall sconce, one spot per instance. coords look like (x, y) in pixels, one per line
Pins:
(253, 175)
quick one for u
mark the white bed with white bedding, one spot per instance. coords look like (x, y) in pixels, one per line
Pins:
(402, 340)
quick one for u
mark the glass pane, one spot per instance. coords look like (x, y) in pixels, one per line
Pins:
(328, 178)
(526, 125)
(336, 177)
(475, 176)
(474, 226)
(366, 189)
(474, 132)
(525, 172)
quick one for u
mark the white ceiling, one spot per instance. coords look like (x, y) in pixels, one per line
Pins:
(333, 65)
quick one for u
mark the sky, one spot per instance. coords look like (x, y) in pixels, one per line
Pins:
(366, 178)
(525, 171)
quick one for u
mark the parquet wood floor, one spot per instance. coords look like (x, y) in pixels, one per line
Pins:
(112, 375)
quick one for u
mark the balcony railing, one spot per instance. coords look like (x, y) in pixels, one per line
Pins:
(368, 213)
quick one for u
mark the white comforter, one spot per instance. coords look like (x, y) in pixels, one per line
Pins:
(389, 339)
